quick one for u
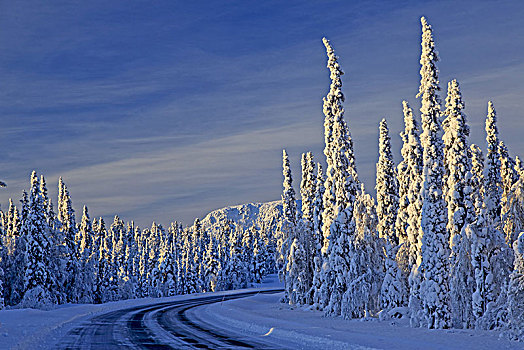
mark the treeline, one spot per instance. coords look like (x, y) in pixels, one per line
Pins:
(48, 258)
(440, 244)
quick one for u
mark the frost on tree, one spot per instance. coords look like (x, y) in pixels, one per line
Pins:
(515, 300)
(491, 255)
(514, 215)
(69, 235)
(85, 284)
(393, 290)
(477, 178)
(295, 264)
(386, 187)
(289, 209)
(307, 233)
(509, 176)
(434, 289)
(340, 190)
(461, 212)
(314, 293)
(13, 255)
(407, 225)
(38, 292)
(364, 273)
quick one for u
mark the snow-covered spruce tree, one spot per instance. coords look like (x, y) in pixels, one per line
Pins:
(492, 177)
(490, 251)
(307, 234)
(70, 239)
(19, 260)
(57, 252)
(85, 284)
(386, 187)
(409, 173)
(393, 291)
(514, 216)
(200, 242)
(331, 104)
(260, 258)
(38, 292)
(212, 265)
(105, 290)
(118, 243)
(175, 234)
(288, 226)
(247, 248)
(234, 275)
(340, 190)
(164, 269)
(364, 272)
(317, 240)
(477, 180)
(14, 256)
(131, 253)
(515, 301)
(509, 176)
(155, 248)
(224, 237)
(461, 211)
(435, 241)
(189, 280)
(296, 278)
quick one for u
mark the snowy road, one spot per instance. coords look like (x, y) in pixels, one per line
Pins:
(163, 325)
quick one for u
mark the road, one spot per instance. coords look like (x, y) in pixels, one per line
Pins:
(164, 325)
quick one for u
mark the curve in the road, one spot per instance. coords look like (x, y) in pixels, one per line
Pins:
(159, 326)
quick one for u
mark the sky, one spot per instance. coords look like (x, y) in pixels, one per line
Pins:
(166, 110)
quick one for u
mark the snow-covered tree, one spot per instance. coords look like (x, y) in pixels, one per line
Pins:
(386, 187)
(509, 176)
(393, 290)
(86, 281)
(477, 179)
(317, 240)
(13, 255)
(38, 291)
(364, 274)
(461, 211)
(514, 214)
(492, 177)
(515, 301)
(288, 225)
(341, 187)
(409, 173)
(435, 241)
(260, 257)
(307, 233)
(296, 269)
(69, 235)
(212, 265)
(491, 255)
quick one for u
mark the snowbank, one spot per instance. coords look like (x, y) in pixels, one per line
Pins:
(263, 318)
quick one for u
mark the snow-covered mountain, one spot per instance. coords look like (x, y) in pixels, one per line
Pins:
(245, 215)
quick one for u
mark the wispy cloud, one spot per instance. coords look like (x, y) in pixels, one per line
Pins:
(164, 111)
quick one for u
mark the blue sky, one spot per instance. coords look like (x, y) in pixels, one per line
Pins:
(166, 110)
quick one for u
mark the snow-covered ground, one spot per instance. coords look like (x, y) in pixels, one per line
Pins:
(261, 318)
